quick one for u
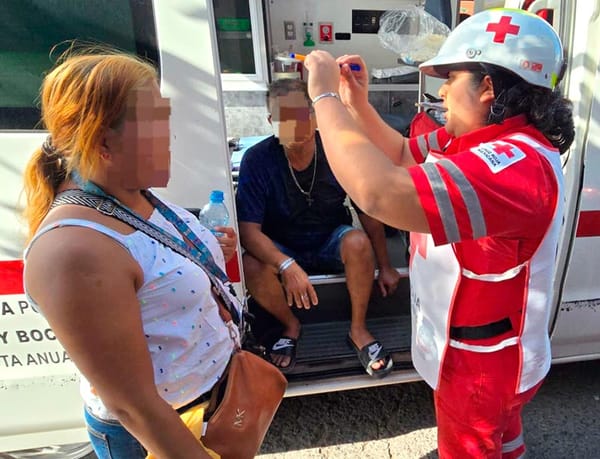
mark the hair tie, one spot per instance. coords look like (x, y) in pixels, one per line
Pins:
(53, 164)
(48, 149)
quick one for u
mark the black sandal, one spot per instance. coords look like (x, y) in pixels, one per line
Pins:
(285, 346)
(370, 354)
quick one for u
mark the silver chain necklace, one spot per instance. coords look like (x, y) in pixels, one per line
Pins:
(307, 194)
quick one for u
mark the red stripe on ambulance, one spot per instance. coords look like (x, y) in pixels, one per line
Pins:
(11, 272)
(11, 277)
(589, 223)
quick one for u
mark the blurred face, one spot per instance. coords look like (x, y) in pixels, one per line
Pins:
(140, 147)
(467, 104)
(292, 118)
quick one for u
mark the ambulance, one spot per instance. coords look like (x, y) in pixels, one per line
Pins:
(41, 413)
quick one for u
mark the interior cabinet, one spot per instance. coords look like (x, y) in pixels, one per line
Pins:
(241, 44)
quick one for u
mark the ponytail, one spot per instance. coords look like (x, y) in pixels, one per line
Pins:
(44, 173)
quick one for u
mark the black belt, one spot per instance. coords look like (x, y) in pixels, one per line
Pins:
(218, 390)
(205, 397)
(481, 331)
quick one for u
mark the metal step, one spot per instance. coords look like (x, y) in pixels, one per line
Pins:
(330, 338)
(323, 348)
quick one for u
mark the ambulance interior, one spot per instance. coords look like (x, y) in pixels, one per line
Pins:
(322, 349)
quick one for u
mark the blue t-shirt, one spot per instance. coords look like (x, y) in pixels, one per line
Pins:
(267, 194)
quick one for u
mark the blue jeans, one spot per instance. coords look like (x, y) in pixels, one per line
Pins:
(326, 259)
(111, 440)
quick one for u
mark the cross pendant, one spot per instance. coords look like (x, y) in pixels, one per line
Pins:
(309, 200)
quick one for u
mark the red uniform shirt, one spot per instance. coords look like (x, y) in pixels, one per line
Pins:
(495, 202)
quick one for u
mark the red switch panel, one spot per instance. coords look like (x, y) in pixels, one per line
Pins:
(326, 32)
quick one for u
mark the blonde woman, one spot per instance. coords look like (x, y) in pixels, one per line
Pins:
(138, 320)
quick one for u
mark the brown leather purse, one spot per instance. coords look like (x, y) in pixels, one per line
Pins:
(254, 388)
(253, 392)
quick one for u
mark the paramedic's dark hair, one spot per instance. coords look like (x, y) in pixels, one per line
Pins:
(285, 86)
(545, 108)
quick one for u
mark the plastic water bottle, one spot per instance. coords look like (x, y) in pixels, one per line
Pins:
(215, 213)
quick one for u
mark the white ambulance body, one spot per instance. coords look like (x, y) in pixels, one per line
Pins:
(39, 383)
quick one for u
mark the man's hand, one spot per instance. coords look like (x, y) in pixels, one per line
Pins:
(228, 241)
(298, 288)
(388, 280)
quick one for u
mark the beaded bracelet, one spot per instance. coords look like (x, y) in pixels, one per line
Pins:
(326, 94)
(285, 264)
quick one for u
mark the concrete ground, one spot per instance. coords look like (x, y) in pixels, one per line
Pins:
(563, 421)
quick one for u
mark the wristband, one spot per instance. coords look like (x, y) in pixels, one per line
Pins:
(285, 264)
(326, 94)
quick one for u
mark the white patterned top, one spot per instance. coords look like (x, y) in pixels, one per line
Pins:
(189, 344)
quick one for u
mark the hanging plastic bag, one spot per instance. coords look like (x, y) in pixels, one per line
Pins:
(412, 33)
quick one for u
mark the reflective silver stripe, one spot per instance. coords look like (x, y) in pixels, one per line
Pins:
(510, 446)
(484, 349)
(508, 274)
(434, 144)
(422, 144)
(469, 197)
(442, 199)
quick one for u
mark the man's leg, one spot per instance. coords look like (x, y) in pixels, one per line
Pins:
(264, 286)
(355, 252)
(359, 267)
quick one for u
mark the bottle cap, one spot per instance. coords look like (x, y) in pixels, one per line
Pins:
(216, 196)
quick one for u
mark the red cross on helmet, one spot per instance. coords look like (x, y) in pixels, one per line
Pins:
(513, 39)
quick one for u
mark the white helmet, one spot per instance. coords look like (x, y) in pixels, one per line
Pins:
(513, 39)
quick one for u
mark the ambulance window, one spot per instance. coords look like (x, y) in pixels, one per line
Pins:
(35, 32)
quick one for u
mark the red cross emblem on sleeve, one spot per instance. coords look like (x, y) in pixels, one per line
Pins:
(503, 149)
(502, 29)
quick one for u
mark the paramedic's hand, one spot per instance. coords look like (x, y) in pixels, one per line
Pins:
(297, 286)
(228, 241)
(323, 73)
(388, 280)
(354, 84)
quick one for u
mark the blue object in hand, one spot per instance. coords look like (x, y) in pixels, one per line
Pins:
(354, 67)
(301, 57)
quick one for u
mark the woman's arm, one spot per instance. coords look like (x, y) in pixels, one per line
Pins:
(381, 189)
(354, 91)
(85, 285)
(227, 241)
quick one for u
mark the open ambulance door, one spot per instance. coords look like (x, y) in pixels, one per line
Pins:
(575, 331)
(41, 409)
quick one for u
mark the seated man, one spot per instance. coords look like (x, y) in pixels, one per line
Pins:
(293, 221)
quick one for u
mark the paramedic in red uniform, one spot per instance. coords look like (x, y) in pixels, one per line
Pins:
(483, 199)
